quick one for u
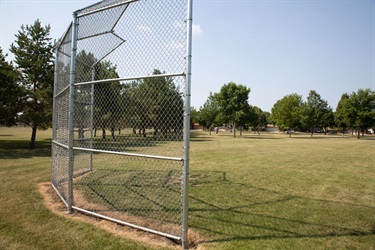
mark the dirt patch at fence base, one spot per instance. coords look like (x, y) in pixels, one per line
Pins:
(53, 202)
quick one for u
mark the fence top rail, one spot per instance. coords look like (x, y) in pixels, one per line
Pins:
(101, 7)
(129, 78)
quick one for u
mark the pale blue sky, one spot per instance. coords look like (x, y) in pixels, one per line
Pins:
(274, 47)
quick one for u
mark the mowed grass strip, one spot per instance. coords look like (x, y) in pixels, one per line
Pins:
(264, 191)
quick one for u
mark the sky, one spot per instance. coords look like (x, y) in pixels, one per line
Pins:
(273, 47)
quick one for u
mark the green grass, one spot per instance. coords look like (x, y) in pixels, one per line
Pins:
(264, 191)
(25, 223)
(275, 192)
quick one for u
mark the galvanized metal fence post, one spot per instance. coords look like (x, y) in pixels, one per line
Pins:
(54, 108)
(71, 113)
(92, 114)
(185, 190)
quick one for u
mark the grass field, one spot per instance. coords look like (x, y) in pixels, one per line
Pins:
(264, 191)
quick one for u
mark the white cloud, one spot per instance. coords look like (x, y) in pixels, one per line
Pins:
(197, 30)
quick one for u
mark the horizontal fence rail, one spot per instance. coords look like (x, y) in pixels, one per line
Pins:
(130, 78)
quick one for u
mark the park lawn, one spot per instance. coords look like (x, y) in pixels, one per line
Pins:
(269, 191)
(264, 191)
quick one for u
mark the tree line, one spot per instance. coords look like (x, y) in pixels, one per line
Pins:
(26, 96)
(230, 107)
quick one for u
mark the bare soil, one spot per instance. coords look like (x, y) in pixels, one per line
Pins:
(53, 202)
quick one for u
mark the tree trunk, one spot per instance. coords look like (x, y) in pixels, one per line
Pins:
(33, 135)
(358, 133)
(103, 133)
(155, 133)
(113, 133)
(312, 132)
(81, 134)
(234, 129)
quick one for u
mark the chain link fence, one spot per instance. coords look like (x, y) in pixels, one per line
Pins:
(121, 114)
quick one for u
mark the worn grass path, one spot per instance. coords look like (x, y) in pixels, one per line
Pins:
(264, 191)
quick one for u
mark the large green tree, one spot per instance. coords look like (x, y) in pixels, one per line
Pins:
(107, 111)
(254, 116)
(286, 111)
(362, 102)
(33, 51)
(11, 93)
(257, 118)
(233, 101)
(314, 112)
(156, 103)
(209, 113)
(341, 113)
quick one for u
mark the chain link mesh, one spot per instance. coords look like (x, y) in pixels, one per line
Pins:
(128, 134)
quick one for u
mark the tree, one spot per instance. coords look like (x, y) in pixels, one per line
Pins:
(33, 52)
(341, 113)
(362, 103)
(233, 101)
(254, 116)
(286, 111)
(11, 93)
(161, 105)
(328, 119)
(209, 113)
(107, 111)
(265, 119)
(315, 112)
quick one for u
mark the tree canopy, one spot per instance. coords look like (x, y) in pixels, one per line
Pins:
(363, 113)
(33, 51)
(11, 93)
(315, 112)
(209, 113)
(233, 101)
(286, 111)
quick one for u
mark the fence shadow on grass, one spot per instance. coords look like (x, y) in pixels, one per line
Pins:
(224, 210)
(230, 211)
